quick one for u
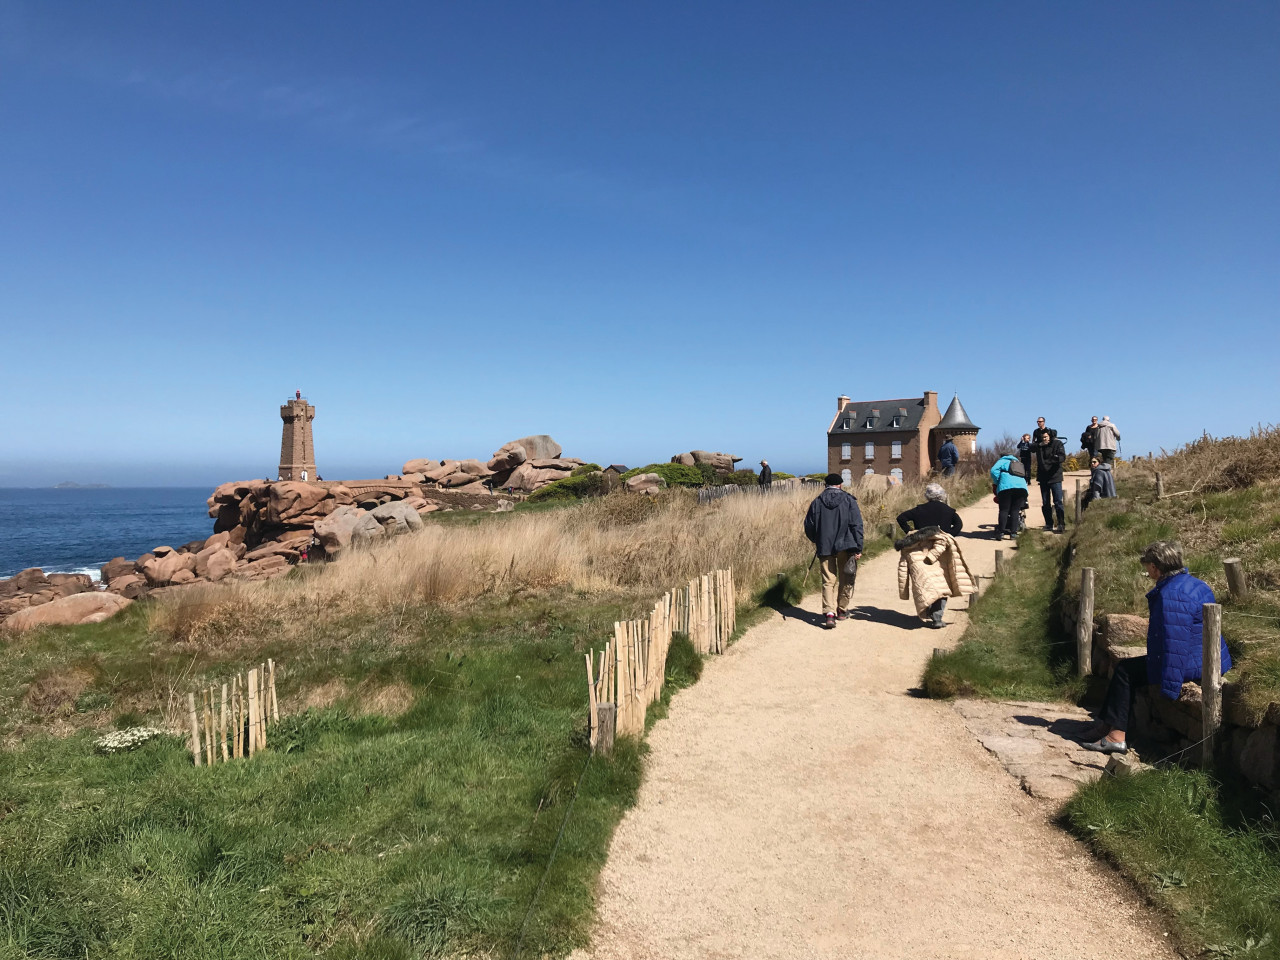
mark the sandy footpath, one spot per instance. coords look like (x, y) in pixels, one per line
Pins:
(800, 802)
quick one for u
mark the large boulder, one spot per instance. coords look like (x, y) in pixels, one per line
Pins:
(129, 585)
(68, 611)
(290, 502)
(645, 483)
(528, 478)
(873, 483)
(66, 584)
(220, 564)
(117, 567)
(161, 570)
(441, 470)
(397, 517)
(538, 447)
(508, 457)
(347, 526)
(421, 465)
(30, 580)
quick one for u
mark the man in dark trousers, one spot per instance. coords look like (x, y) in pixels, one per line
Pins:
(834, 524)
(1050, 455)
(766, 475)
(948, 457)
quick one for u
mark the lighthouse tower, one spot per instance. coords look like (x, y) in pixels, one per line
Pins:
(297, 454)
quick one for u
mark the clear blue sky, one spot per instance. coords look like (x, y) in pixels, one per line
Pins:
(638, 227)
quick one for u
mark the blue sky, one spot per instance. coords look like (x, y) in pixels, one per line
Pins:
(641, 228)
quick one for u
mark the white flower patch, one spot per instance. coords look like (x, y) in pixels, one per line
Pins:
(123, 740)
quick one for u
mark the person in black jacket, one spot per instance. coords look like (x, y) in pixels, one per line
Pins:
(834, 525)
(1050, 455)
(934, 512)
(1038, 433)
(1089, 438)
(766, 474)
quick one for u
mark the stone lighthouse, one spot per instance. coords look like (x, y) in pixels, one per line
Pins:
(297, 454)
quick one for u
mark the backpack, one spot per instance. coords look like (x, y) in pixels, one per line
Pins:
(1016, 468)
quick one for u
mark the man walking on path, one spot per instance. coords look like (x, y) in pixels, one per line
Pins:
(834, 525)
(948, 457)
(1108, 440)
(1050, 455)
(766, 475)
(1089, 439)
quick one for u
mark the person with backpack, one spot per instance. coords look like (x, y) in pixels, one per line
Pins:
(1009, 485)
(948, 457)
(1089, 439)
(1050, 456)
(834, 526)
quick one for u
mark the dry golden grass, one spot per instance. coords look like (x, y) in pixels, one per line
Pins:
(1212, 465)
(617, 545)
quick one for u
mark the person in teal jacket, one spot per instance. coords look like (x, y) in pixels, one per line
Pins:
(1010, 491)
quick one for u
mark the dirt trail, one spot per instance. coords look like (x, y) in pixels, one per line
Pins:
(799, 802)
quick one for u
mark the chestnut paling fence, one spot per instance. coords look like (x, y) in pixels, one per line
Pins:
(237, 725)
(627, 675)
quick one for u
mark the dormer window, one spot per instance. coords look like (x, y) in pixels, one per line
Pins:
(900, 419)
(847, 423)
(896, 423)
(871, 422)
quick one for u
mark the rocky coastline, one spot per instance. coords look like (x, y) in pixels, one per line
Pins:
(261, 528)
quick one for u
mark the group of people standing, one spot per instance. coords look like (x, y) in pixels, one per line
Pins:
(1044, 452)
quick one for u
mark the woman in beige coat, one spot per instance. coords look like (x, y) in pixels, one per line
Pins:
(930, 569)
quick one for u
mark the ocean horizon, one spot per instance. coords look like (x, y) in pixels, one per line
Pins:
(77, 530)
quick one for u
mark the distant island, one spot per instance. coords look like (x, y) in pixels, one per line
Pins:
(72, 485)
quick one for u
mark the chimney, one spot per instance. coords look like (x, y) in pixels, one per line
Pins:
(931, 399)
(841, 402)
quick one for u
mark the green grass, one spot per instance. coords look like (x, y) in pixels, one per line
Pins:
(420, 834)
(1206, 852)
(1241, 523)
(1014, 647)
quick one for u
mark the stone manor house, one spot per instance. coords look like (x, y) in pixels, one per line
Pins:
(896, 438)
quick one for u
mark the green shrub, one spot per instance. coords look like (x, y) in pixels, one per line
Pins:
(676, 474)
(741, 478)
(573, 487)
(780, 475)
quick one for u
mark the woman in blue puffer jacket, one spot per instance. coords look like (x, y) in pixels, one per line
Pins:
(1010, 491)
(1175, 644)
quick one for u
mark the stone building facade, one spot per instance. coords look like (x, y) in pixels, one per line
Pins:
(297, 452)
(896, 438)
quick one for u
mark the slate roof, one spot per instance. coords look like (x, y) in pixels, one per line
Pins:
(884, 411)
(955, 418)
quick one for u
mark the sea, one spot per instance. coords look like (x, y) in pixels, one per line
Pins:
(78, 530)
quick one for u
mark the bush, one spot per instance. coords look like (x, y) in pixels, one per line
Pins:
(582, 482)
(676, 474)
(780, 475)
(741, 478)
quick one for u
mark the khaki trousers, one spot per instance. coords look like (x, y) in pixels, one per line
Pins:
(836, 581)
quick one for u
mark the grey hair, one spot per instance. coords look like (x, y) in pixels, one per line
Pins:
(1164, 555)
(935, 491)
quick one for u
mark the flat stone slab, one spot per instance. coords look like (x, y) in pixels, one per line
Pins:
(1036, 743)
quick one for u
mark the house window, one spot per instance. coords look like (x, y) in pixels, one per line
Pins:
(895, 450)
(869, 472)
(973, 445)
(846, 475)
(896, 473)
(846, 451)
(870, 453)
(847, 423)
(871, 422)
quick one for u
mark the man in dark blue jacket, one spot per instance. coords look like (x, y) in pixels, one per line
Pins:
(948, 457)
(834, 524)
(1175, 644)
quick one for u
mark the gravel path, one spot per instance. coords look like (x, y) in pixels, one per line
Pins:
(801, 802)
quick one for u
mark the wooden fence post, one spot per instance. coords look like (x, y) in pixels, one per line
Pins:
(999, 562)
(1084, 625)
(1159, 485)
(222, 726)
(607, 714)
(1211, 681)
(1079, 499)
(195, 727)
(253, 713)
(1236, 580)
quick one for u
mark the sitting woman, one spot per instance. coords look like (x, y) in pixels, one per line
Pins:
(1102, 484)
(1174, 644)
(934, 512)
